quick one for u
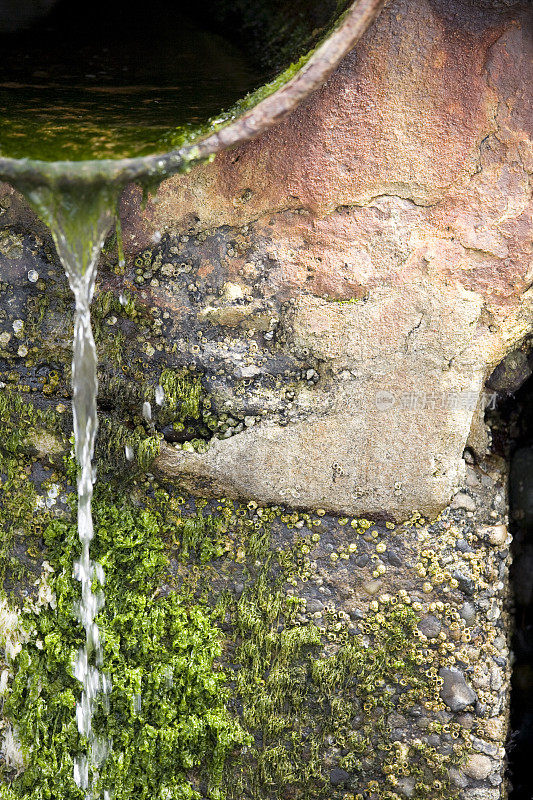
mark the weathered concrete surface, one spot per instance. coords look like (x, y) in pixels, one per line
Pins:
(408, 177)
(388, 417)
(380, 238)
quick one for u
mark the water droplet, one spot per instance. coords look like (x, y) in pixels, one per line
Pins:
(159, 395)
(33, 276)
(81, 772)
(99, 572)
(128, 452)
(147, 411)
(169, 676)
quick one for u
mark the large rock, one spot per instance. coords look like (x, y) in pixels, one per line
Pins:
(386, 425)
(455, 691)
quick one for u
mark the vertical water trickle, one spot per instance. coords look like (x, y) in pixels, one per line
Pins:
(79, 217)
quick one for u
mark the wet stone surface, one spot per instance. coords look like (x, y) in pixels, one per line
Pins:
(244, 368)
(290, 332)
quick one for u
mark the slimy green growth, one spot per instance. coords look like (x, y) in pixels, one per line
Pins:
(254, 712)
(94, 90)
(167, 707)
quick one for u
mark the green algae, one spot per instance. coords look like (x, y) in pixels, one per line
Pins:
(183, 393)
(18, 495)
(253, 715)
(298, 702)
(86, 90)
(277, 34)
(114, 438)
(303, 689)
(202, 83)
(167, 714)
(198, 83)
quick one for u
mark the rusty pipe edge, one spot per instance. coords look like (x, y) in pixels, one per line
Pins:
(267, 113)
(310, 77)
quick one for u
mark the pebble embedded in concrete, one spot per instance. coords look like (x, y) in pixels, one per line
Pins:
(478, 767)
(455, 691)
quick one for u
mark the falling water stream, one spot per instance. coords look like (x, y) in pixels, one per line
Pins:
(79, 212)
(79, 219)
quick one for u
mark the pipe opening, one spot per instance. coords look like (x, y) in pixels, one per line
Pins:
(108, 79)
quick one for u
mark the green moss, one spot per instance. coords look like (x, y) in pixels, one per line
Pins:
(309, 694)
(352, 301)
(167, 719)
(186, 408)
(114, 439)
(110, 339)
(201, 535)
(18, 497)
(108, 302)
(167, 714)
(36, 310)
(310, 40)
(183, 393)
(307, 690)
(298, 703)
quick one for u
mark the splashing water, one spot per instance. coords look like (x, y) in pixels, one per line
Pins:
(79, 218)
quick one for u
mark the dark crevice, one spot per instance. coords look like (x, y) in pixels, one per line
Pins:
(512, 433)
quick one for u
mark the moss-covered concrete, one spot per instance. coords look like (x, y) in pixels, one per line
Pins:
(307, 650)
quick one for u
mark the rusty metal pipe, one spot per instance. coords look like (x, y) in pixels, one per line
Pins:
(267, 113)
